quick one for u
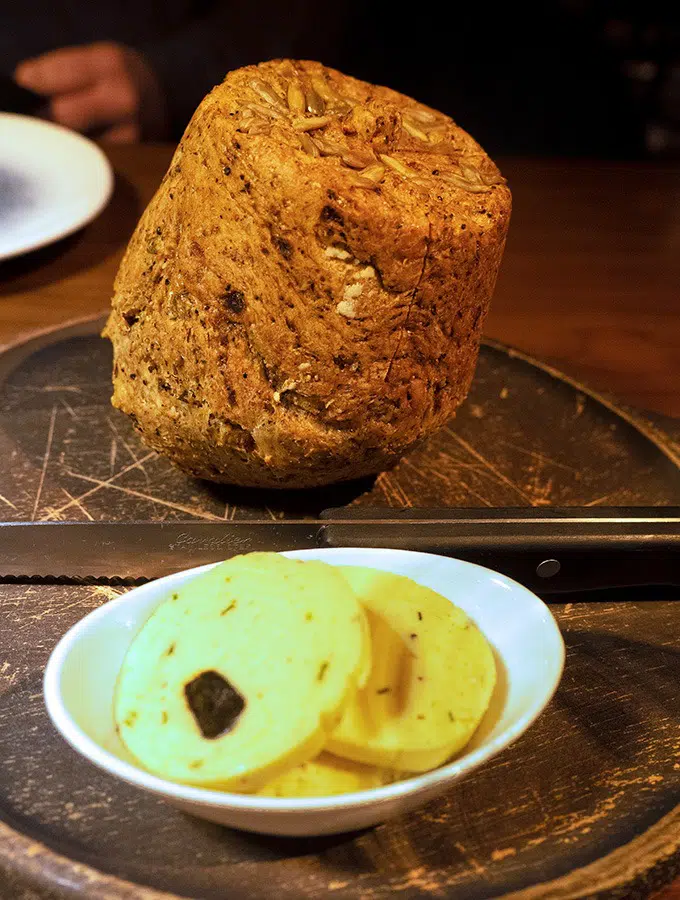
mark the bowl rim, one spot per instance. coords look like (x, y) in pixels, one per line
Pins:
(88, 748)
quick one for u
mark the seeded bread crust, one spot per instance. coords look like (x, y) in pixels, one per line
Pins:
(303, 299)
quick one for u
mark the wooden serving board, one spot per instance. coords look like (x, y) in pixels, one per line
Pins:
(585, 804)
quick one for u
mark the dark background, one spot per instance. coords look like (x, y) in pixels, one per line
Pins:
(584, 78)
(563, 77)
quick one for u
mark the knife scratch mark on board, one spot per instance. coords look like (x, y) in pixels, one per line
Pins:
(80, 506)
(453, 465)
(474, 493)
(46, 458)
(106, 592)
(542, 457)
(490, 466)
(541, 806)
(422, 473)
(100, 484)
(541, 491)
(454, 462)
(51, 513)
(8, 502)
(54, 388)
(394, 494)
(427, 473)
(599, 500)
(69, 409)
(383, 482)
(7, 678)
(129, 449)
(52, 610)
(473, 863)
(201, 514)
(112, 455)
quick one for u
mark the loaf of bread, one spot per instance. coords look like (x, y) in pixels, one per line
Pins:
(302, 301)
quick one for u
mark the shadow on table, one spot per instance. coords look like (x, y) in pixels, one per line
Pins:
(288, 503)
(88, 246)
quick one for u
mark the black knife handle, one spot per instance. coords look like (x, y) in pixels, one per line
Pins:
(547, 550)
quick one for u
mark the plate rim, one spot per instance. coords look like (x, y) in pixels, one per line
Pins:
(108, 181)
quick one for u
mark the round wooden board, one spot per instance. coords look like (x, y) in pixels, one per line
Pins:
(586, 803)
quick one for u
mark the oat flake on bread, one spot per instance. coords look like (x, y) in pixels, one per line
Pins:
(303, 299)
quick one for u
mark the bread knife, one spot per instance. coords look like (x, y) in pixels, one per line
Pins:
(548, 550)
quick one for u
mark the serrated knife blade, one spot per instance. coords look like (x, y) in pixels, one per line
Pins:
(121, 552)
(547, 550)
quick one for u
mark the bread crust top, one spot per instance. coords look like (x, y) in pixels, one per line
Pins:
(313, 274)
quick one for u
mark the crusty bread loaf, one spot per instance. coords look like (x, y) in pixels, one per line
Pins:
(303, 299)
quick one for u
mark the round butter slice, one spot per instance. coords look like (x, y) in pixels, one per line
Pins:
(325, 776)
(431, 682)
(242, 672)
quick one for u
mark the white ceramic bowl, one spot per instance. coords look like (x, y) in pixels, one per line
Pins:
(81, 675)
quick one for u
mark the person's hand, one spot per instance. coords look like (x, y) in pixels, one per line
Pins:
(104, 89)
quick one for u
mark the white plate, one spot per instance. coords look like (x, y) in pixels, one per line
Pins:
(81, 674)
(52, 182)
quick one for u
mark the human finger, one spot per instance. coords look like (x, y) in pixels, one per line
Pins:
(62, 71)
(109, 102)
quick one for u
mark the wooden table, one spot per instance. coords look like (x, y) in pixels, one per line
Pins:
(590, 280)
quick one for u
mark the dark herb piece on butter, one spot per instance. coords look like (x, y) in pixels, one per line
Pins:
(214, 703)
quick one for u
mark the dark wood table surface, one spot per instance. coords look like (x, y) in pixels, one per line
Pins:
(590, 280)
